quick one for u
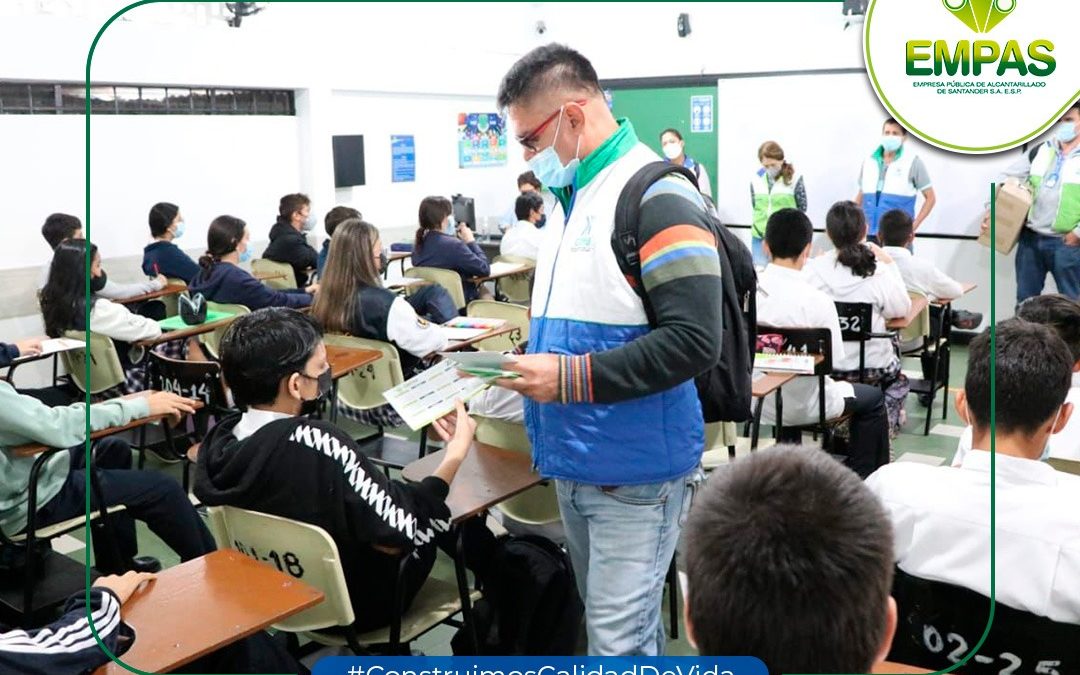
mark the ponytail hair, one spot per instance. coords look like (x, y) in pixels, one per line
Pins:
(772, 150)
(433, 211)
(223, 237)
(846, 227)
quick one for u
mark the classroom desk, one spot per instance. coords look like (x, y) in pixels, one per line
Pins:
(203, 605)
(890, 668)
(54, 355)
(918, 304)
(406, 283)
(508, 270)
(269, 276)
(344, 360)
(190, 331)
(769, 383)
(396, 256)
(170, 289)
(491, 246)
(459, 345)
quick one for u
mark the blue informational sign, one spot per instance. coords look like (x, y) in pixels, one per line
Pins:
(548, 665)
(402, 159)
(701, 114)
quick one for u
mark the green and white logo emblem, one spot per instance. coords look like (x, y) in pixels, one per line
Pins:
(980, 15)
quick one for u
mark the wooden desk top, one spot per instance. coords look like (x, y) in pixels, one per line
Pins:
(344, 360)
(918, 304)
(394, 256)
(269, 276)
(519, 268)
(969, 286)
(763, 386)
(190, 331)
(170, 289)
(45, 355)
(31, 449)
(408, 282)
(494, 332)
(204, 604)
(488, 476)
(890, 668)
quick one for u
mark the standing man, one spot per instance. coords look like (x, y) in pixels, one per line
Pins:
(892, 178)
(1050, 242)
(611, 409)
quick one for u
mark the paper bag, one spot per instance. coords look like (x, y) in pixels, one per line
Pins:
(1011, 211)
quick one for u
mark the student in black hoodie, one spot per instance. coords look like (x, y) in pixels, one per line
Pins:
(272, 459)
(287, 241)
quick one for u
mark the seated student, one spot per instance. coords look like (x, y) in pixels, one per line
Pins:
(269, 457)
(287, 241)
(790, 559)
(523, 239)
(60, 227)
(222, 280)
(68, 645)
(859, 272)
(163, 256)
(63, 306)
(942, 515)
(436, 245)
(1062, 315)
(150, 496)
(50, 396)
(788, 235)
(335, 217)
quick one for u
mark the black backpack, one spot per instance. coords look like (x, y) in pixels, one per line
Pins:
(724, 389)
(531, 608)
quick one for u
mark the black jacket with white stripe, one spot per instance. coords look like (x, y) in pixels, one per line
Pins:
(311, 471)
(67, 645)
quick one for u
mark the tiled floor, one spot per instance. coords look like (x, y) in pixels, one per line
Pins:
(937, 447)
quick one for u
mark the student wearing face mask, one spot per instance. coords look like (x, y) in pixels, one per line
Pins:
(674, 149)
(288, 243)
(775, 186)
(1050, 242)
(221, 279)
(163, 256)
(436, 245)
(892, 178)
(523, 239)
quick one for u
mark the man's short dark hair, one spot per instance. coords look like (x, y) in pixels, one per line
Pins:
(892, 121)
(529, 178)
(1033, 374)
(547, 68)
(1058, 312)
(337, 216)
(896, 228)
(788, 233)
(790, 559)
(262, 348)
(290, 204)
(527, 203)
(58, 227)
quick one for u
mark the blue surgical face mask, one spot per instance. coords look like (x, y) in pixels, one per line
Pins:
(179, 230)
(245, 255)
(1066, 132)
(549, 168)
(451, 224)
(891, 143)
(1046, 449)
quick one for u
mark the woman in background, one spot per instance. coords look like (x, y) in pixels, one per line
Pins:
(774, 186)
(674, 148)
(436, 245)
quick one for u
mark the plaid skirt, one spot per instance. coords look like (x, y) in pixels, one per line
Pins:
(892, 382)
(136, 377)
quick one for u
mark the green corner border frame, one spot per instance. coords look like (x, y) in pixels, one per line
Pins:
(935, 141)
(993, 318)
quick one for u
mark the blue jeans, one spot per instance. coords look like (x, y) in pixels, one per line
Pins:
(621, 542)
(757, 249)
(1039, 254)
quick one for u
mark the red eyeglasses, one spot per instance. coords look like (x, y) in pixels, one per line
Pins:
(529, 140)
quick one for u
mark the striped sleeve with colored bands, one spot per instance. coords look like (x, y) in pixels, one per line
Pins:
(676, 252)
(575, 379)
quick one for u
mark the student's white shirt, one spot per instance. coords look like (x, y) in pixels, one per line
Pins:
(112, 290)
(522, 240)
(785, 299)
(920, 275)
(884, 290)
(941, 525)
(412, 333)
(552, 209)
(116, 321)
(1063, 445)
(252, 420)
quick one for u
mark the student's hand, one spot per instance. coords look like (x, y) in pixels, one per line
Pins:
(466, 233)
(29, 346)
(984, 227)
(167, 403)
(124, 586)
(312, 289)
(161, 281)
(1072, 240)
(539, 377)
(880, 254)
(457, 430)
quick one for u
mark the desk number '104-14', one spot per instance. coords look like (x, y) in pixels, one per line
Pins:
(287, 562)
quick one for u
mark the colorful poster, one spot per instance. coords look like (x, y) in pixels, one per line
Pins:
(402, 159)
(481, 140)
(701, 114)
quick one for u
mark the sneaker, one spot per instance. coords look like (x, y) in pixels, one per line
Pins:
(965, 320)
(145, 563)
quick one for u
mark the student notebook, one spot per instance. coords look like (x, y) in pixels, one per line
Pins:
(502, 268)
(431, 394)
(788, 363)
(177, 323)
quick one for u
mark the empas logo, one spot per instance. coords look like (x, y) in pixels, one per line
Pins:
(980, 15)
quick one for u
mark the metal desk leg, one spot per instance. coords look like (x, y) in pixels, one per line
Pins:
(779, 414)
(463, 588)
(755, 427)
(333, 402)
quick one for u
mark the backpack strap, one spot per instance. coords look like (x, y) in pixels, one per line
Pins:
(625, 235)
(1033, 152)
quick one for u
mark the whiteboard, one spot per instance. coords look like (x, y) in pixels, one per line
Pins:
(828, 124)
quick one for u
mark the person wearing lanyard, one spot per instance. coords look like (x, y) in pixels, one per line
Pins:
(671, 142)
(774, 187)
(610, 404)
(892, 178)
(1050, 242)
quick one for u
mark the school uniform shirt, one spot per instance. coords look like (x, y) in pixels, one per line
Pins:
(324, 253)
(287, 245)
(113, 290)
(786, 300)
(884, 290)
(552, 209)
(118, 322)
(228, 284)
(165, 257)
(311, 471)
(1063, 445)
(447, 252)
(941, 525)
(922, 276)
(380, 314)
(522, 240)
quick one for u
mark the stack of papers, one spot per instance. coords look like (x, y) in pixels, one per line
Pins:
(790, 363)
(57, 345)
(431, 394)
(485, 365)
(467, 327)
